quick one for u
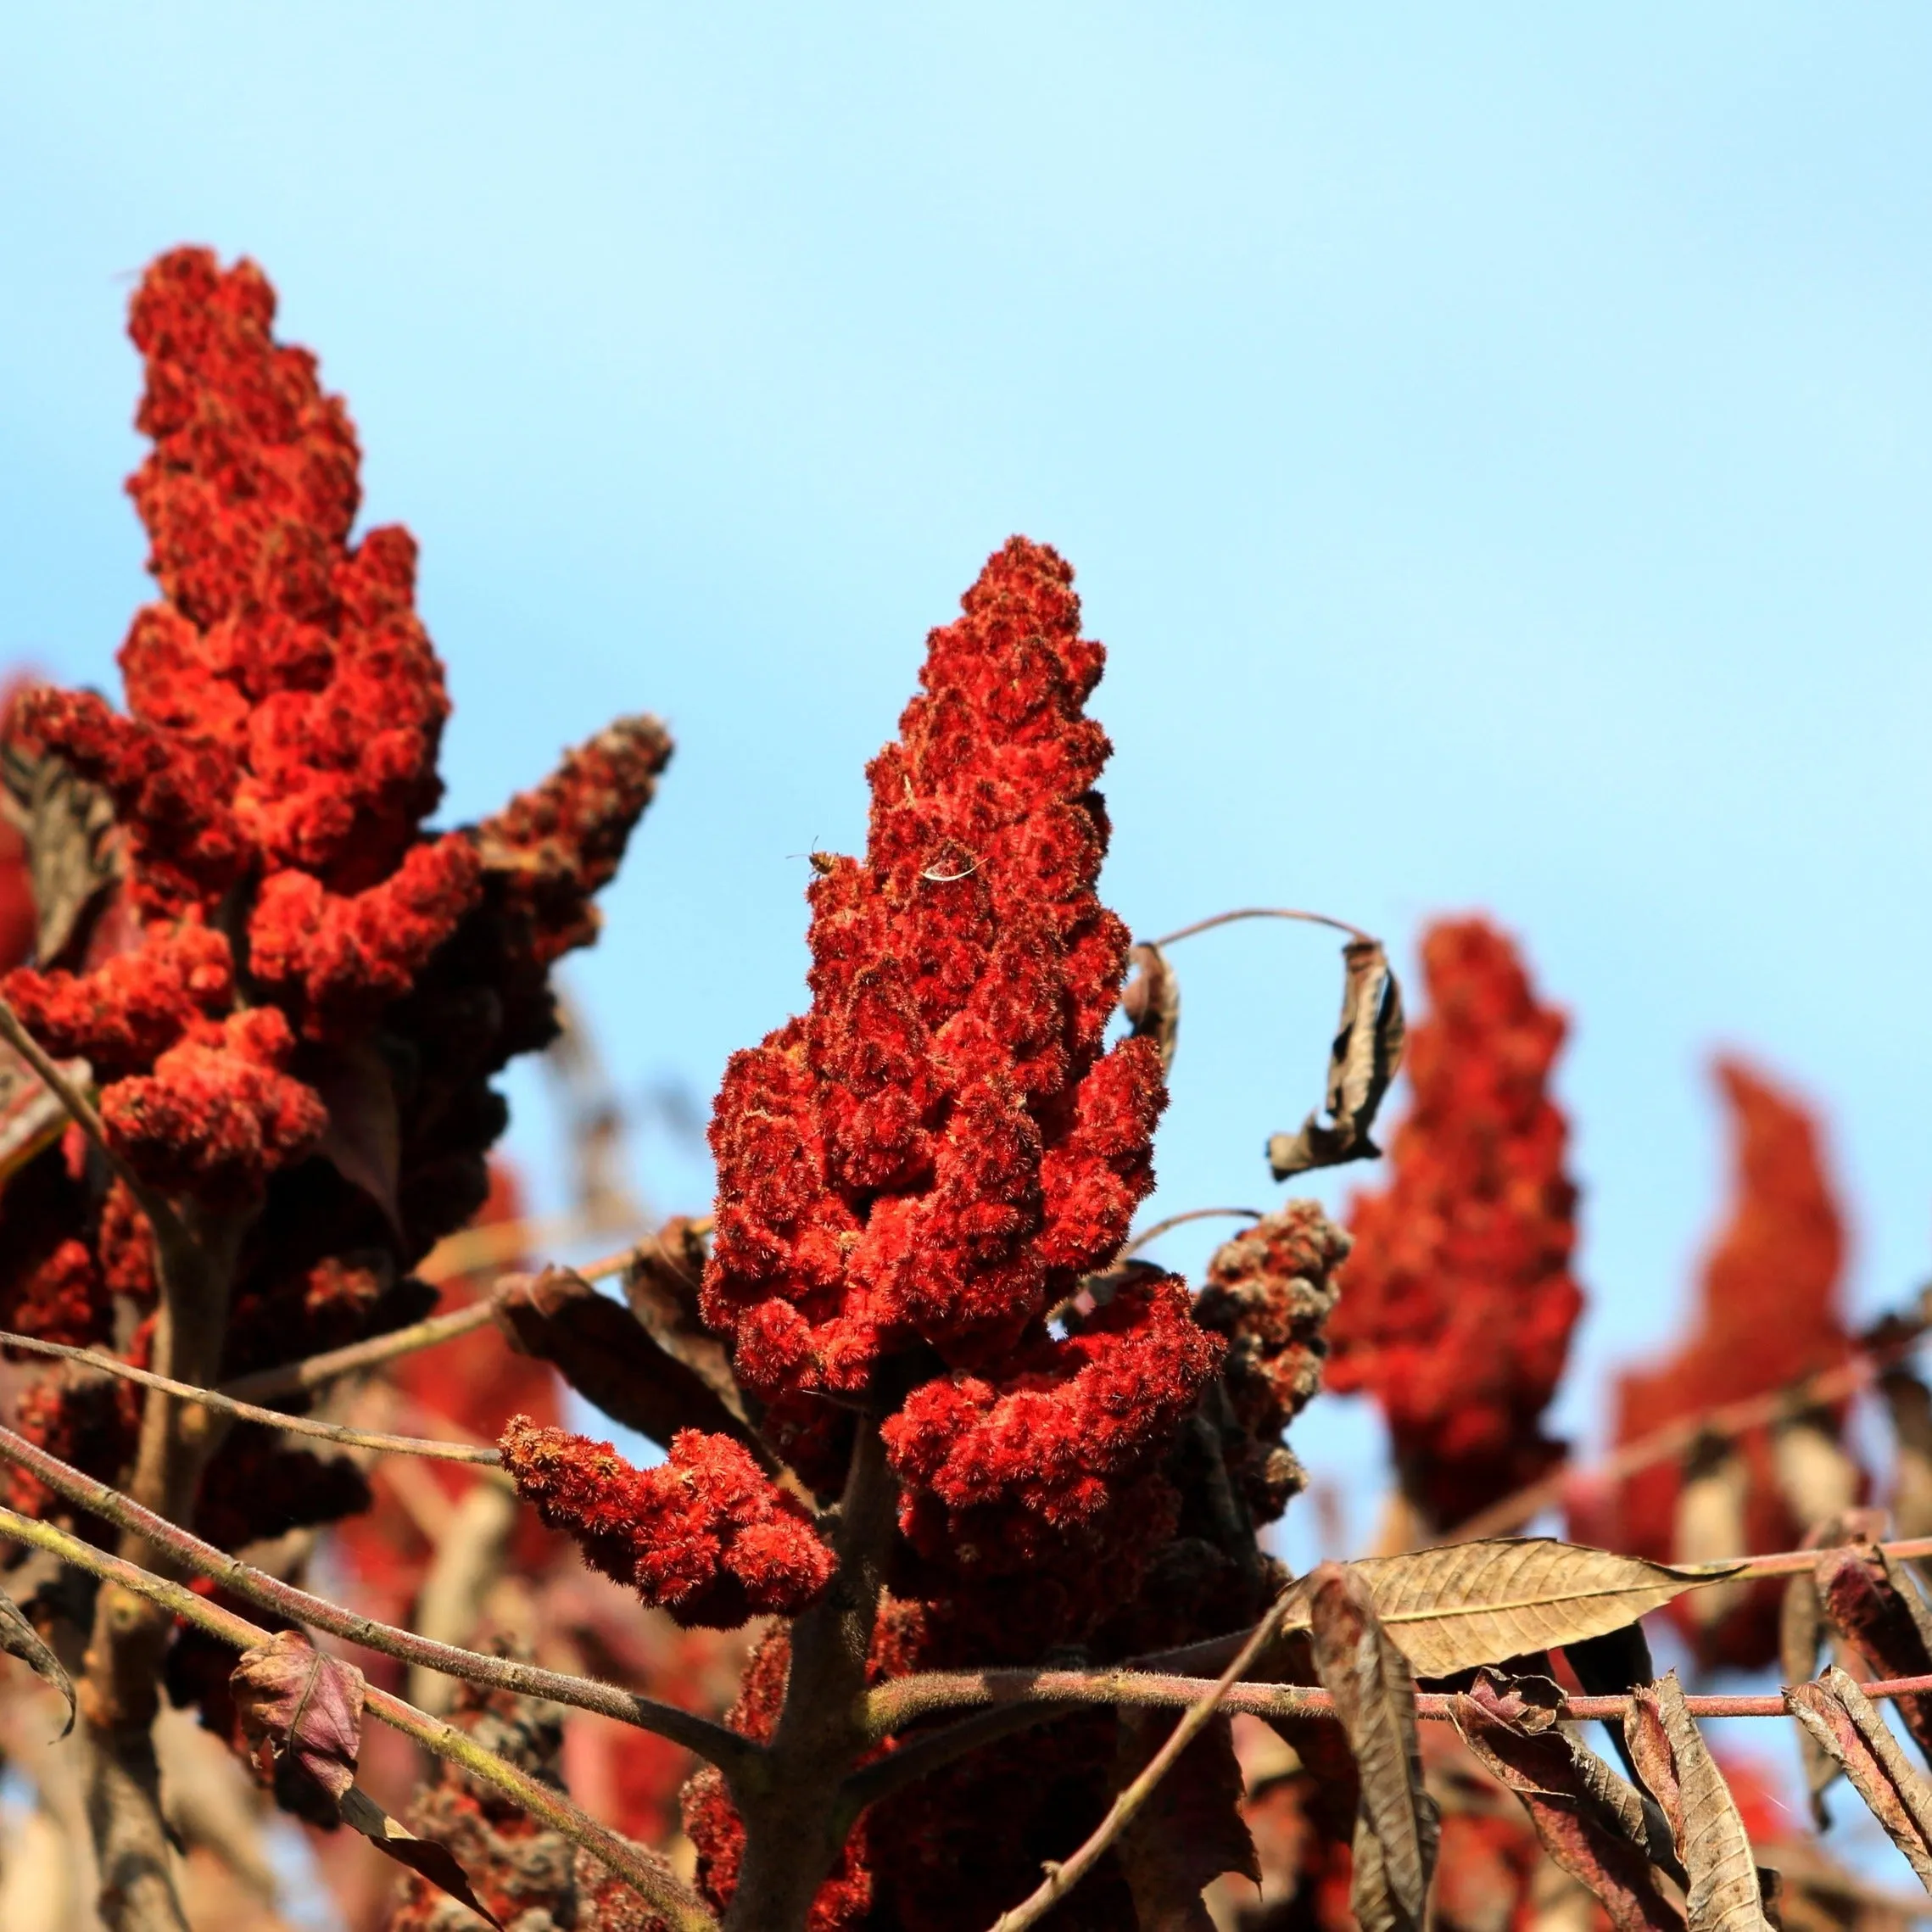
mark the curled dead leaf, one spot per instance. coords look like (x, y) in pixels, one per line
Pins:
(1846, 1728)
(74, 854)
(19, 1638)
(1871, 1603)
(1366, 1052)
(1676, 1766)
(434, 1863)
(1191, 1829)
(1152, 1001)
(1397, 1829)
(1460, 1605)
(301, 1713)
(1590, 1820)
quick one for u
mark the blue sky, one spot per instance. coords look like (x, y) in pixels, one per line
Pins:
(1495, 443)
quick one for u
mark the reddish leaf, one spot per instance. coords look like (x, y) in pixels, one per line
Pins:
(431, 1861)
(301, 1712)
(1877, 1609)
(1396, 1826)
(1191, 1829)
(1801, 1631)
(1842, 1722)
(1591, 1822)
(1724, 1894)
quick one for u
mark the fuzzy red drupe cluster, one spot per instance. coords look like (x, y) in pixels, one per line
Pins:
(705, 1534)
(1769, 1313)
(937, 1151)
(290, 996)
(1459, 1301)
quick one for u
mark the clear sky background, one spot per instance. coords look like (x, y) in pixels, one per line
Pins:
(1495, 443)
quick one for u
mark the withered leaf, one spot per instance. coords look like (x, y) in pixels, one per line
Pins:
(301, 1714)
(1363, 1060)
(19, 1638)
(1845, 1726)
(1396, 1825)
(363, 1141)
(661, 1286)
(1816, 1475)
(434, 1863)
(1709, 1522)
(1909, 1403)
(1152, 1001)
(1877, 1609)
(1191, 1829)
(1463, 1604)
(1677, 1767)
(608, 1356)
(1590, 1820)
(31, 1119)
(1800, 1632)
(74, 855)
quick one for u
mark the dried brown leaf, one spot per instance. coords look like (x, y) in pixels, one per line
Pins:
(1396, 1826)
(1709, 1523)
(1463, 1604)
(1363, 1060)
(608, 1356)
(1845, 1726)
(1152, 1001)
(301, 1712)
(1191, 1829)
(660, 1286)
(363, 1140)
(434, 1863)
(1875, 1607)
(1816, 1475)
(19, 1638)
(74, 855)
(1909, 1403)
(1590, 1820)
(1801, 1633)
(1677, 1767)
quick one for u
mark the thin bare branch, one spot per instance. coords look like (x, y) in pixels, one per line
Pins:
(1902, 1335)
(248, 1412)
(683, 1909)
(1148, 1236)
(1258, 912)
(726, 1749)
(1062, 1877)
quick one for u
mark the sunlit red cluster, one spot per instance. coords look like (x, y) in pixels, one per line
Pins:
(1769, 1313)
(705, 1534)
(1457, 1301)
(290, 998)
(1271, 1292)
(941, 1146)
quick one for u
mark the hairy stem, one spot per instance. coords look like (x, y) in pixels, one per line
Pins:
(1258, 912)
(1063, 1877)
(795, 1818)
(481, 1456)
(684, 1910)
(180, 1549)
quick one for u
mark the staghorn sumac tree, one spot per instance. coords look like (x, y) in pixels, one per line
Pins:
(949, 1605)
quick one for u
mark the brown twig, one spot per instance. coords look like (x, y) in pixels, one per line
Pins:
(686, 1911)
(1063, 1877)
(725, 1748)
(291, 1378)
(248, 1412)
(1836, 1384)
(1147, 1236)
(1259, 912)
